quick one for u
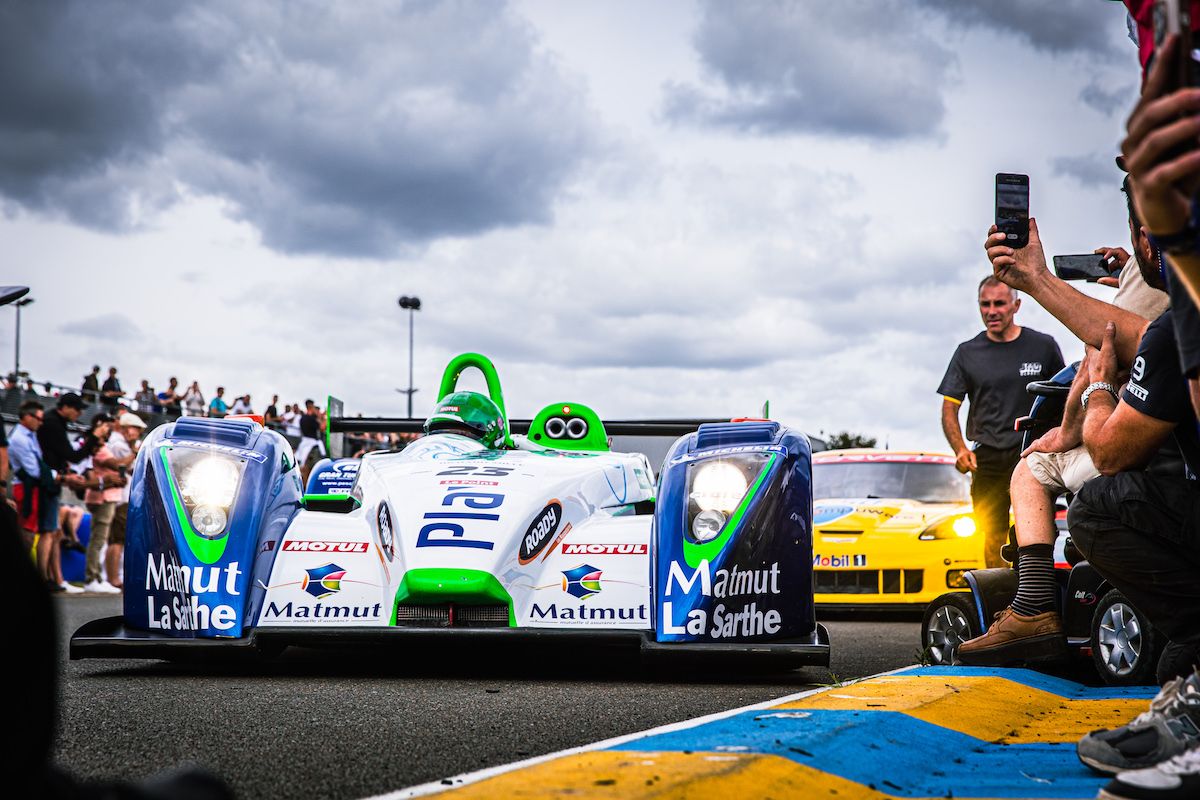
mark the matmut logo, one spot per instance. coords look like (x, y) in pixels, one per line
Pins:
(597, 549)
(324, 547)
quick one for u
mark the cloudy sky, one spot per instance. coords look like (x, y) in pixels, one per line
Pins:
(660, 209)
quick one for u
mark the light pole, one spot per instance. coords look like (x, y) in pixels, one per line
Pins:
(19, 305)
(412, 304)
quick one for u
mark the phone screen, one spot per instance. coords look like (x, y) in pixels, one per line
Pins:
(1012, 208)
(1088, 267)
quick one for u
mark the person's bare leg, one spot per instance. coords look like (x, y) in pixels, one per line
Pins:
(1033, 508)
(45, 542)
(112, 564)
(1030, 628)
(55, 564)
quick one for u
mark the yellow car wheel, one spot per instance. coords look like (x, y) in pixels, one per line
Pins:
(949, 621)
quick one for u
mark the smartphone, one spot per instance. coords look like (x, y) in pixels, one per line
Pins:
(1012, 208)
(1174, 16)
(1090, 267)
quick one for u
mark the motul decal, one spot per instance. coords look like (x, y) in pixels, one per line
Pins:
(596, 549)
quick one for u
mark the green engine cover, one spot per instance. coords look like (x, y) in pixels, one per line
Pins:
(569, 426)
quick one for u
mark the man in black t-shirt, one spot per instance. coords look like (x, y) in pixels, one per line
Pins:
(310, 435)
(1141, 529)
(991, 371)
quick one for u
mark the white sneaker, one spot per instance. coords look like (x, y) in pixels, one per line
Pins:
(100, 587)
(70, 588)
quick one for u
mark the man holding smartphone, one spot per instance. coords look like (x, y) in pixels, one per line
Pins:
(991, 371)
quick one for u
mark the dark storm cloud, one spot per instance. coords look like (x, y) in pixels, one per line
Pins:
(106, 327)
(1095, 170)
(1087, 27)
(360, 129)
(867, 69)
(1109, 100)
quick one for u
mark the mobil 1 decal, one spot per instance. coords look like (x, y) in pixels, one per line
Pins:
(468, 516)
(757, 588)
(540, 532)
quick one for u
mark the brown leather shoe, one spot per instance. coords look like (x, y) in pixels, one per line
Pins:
(1013, 639)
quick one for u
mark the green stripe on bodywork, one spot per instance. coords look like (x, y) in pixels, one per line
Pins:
(694, 553)
(208, 551)
(326, 498)
(434, 586)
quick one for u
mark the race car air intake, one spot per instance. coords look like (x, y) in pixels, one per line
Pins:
(556, 428)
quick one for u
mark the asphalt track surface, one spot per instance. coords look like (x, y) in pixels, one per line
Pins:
(313, 725)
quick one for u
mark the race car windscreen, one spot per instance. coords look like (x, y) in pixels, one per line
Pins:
(928, 483)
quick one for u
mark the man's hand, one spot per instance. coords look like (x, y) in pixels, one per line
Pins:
(74, 481)
(1021, 269)
(1055, 440)
(1118, 256)
(1103, 366)
(1160, 148)
(965, 461)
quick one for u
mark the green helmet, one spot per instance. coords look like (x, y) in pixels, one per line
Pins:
(469, 413)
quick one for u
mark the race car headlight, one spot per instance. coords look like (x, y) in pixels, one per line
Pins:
(719, 486)
(211, 481)
(209, 521)
(707, 525)
(716, 488)
(208, 485)
(959, 527)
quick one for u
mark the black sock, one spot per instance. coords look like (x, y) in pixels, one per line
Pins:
(1037, 592)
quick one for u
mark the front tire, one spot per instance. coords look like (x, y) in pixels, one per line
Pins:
(1125, 645)
(949, 621)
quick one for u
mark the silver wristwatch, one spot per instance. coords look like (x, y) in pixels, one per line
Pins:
(1101, 385)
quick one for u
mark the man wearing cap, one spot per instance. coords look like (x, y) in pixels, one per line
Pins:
(57, 452)
(123, 447)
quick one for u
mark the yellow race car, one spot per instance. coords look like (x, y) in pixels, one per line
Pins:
(890, 528)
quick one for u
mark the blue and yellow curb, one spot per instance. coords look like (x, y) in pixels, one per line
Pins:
(925, 732)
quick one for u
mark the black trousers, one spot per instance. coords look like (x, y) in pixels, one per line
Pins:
(990, 497)
(1142, 532)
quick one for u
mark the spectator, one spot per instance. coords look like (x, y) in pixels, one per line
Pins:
(291, 421)
(33, 477)
(991, 371)
(29, 387)
(123, 445)
(145, 398)
(38, 495)
(58, 454)
(193, 400)
(111, 392)
(311, 426)
(103, 494)
(91, 385)
(1057, 463)
(10, 382)
(4, 466)
(271, 417)
(218, 407)
(241, 405)
(168, 399)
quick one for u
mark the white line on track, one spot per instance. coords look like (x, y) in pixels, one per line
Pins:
(466, 778)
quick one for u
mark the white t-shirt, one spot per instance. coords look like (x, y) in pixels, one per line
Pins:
(118, 445)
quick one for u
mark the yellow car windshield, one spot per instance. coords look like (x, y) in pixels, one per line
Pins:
(924, 482)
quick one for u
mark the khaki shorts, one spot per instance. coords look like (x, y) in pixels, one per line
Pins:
(1062, 472)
